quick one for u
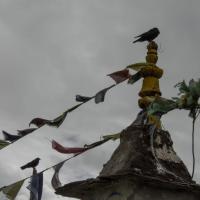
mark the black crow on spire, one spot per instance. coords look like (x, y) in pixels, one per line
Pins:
(148, 36)
(31, 164)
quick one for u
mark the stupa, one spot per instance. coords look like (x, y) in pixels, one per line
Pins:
(144, 166)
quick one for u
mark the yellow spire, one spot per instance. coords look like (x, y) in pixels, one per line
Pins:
(150, 86)
(151, 74)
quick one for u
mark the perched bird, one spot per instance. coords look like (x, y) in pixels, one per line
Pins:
(31, 164)
(148, 36)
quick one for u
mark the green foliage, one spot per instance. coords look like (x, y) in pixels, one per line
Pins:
(3, 144)
(189, 96)
(190, 93)
(187, 99)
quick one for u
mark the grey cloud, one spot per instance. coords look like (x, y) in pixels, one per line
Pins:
(52, 50)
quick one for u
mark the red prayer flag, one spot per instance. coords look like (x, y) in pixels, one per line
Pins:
(67, 150)
(120, 76)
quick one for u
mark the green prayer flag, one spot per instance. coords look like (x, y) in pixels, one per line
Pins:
(112, 136)
(162, 106)
(58, 121)
(134, 78)
(11, 191)
(138, 66)
(3, 144)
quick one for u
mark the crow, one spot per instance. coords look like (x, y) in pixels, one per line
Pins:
(31, 164)
(148, 36)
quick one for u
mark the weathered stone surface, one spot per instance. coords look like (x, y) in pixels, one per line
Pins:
(143, 167)
(130, 187)
(136, 153)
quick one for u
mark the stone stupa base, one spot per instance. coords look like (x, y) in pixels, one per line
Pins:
(143, 167)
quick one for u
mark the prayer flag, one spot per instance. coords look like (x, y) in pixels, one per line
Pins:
(55, 181)
(3, 144)
(36, 186)
(25, 131)
(39, 122)
(58, 121)
(67, 150)
(134, 78)
(9, 137)
(11, 191)
(112, 136)
(84, 99)
(161, 106)
(100, 96)
(120, 76)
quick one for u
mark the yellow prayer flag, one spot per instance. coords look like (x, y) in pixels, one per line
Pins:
(11, 191)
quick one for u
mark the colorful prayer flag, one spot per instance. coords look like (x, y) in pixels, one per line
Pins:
(134, 78)
(84, 99)
(120, 76)
(112, 136)
(3, 144)
(9, 137)
(36, 186)
(67, 150)
(58, 121)
(39, 122)
(161, 106)
(25, 131)
(55, 181)
(11, 191)
(100, 96)
(138, 66)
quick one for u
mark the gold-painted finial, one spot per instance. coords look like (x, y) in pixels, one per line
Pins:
(152, 56)
(150, 87)
(151, 74)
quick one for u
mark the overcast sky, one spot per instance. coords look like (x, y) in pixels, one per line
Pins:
(51, 50)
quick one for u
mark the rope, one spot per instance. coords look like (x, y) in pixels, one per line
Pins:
(193, 153)
(93, 145)
(195, 116)
(69, 110)
(42, 170)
